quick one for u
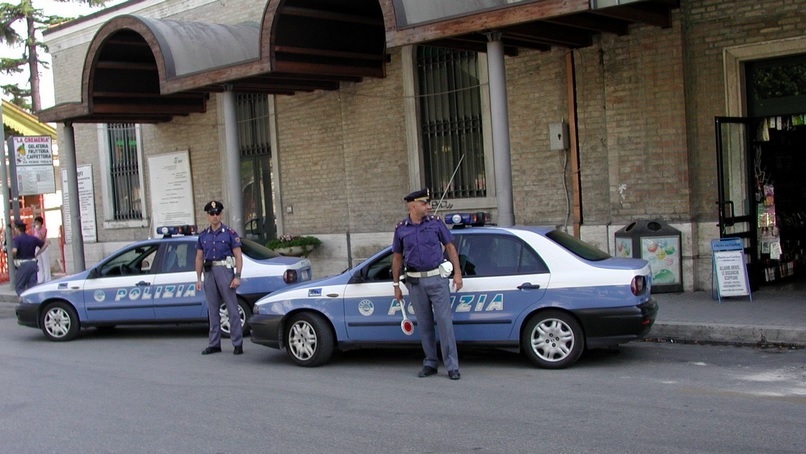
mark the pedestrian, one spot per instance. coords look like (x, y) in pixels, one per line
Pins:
(43, 264)
(418, 244)
(218, 255)
(24, 251)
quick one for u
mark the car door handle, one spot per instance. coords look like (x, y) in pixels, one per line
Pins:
(528, 286)
(142, 283)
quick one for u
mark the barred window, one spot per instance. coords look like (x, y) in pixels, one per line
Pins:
(451, 122)
(124, 172)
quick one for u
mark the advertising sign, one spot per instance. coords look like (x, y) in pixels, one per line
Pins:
(730, 269)
(33, 162)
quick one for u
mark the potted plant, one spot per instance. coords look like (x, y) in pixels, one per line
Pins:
(294, 245)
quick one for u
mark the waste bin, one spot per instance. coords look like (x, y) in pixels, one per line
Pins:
(659, 244)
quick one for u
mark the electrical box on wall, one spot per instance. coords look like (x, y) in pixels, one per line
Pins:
(558, 136)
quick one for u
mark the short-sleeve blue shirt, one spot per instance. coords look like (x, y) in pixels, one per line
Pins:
(421, 244)
(218, 244)
(26, 245)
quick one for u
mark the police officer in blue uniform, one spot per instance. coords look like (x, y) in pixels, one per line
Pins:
(418, 243)
(218, 255)
(24, 251)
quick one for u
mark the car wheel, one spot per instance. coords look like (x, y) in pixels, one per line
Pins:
(243, 311)
(309, 340)
(553, 340)
(59, 322)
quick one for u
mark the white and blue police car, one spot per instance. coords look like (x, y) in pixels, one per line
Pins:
(151, 282)
(533, 288)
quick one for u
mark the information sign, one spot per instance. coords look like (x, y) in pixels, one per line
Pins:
(730, 269)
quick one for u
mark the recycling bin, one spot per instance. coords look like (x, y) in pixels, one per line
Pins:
(659, 244)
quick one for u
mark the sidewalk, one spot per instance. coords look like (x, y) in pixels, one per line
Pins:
(773, 317)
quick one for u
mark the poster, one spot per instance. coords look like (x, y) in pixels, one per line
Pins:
(730, 275)
(86, 204)
(663, 255)
(171, 189)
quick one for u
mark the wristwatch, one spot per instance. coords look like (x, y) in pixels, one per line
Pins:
(238, 275)
(396, 284)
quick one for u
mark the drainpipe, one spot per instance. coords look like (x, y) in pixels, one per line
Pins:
(500, 127)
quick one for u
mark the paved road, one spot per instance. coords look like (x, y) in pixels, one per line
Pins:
(149, 390)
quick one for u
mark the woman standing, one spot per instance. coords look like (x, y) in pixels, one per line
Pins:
(44, 256)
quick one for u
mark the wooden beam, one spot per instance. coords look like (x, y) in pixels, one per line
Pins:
(589, 22)
(125, 65)
(329, 15)
(328, 53)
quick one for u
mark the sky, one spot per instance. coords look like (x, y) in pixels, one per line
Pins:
(50, 7)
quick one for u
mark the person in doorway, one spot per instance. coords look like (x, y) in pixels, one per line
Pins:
(24, 251)
(41, 232)
(218, 256)
(418, 243)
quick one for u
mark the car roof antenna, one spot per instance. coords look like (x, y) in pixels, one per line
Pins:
(439, 204)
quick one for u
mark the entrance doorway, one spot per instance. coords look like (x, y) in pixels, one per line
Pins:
(762, 171)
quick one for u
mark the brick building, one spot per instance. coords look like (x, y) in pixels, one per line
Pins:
(345, 106)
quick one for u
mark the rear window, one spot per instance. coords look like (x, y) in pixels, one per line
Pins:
(577, 246)
(257, 251)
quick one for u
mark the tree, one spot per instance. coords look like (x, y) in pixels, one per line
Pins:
(34, 20)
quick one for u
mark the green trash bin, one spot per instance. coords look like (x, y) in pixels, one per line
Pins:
(659, 244)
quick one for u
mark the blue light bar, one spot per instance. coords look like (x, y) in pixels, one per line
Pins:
(168, 231)
(459, 220)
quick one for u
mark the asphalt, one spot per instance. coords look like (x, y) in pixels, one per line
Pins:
(776, 317)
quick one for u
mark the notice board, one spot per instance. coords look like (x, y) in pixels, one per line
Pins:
(730, 268)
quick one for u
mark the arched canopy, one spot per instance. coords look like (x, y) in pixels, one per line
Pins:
(145, 70)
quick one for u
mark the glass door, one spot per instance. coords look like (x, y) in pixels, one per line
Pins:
(737, 188)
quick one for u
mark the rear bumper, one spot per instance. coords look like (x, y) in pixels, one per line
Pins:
(612, 326)
(266, 329)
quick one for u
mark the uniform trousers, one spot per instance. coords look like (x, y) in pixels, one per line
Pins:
(217, 291)
(25, 276)
(431, 298)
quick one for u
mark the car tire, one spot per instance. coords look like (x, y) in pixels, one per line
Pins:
(553, 340)
(243, 310)
(309, 340)
(59, 322)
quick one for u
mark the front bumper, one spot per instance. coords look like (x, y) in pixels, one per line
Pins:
(266, 329)
(28, 315)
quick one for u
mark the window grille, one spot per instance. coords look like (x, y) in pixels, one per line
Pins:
(124, 171)
(451, 122)
(252, 112)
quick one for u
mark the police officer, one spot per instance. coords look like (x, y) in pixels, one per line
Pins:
(24, 250)
(218, 254)
(418, 243)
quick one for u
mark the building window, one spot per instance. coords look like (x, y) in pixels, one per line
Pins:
(123, 156)
(254, 140)
(450, 119)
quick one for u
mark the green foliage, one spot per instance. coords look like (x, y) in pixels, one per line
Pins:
(293, 240)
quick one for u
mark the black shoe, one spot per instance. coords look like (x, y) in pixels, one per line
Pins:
(238, 350)
(427, 372)
(210, 350)
(454, 375)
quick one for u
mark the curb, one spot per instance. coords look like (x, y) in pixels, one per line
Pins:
(730, 334)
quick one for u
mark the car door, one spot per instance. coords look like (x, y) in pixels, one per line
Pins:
(174, 291)
(119, 290)
(371, 312)
(502, 276)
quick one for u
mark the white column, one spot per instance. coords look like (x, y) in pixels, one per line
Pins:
(500, 126)
(67, 154)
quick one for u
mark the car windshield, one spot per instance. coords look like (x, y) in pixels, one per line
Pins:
(578, 247)
(257, 251)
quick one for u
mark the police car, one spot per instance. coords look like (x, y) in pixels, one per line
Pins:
(151, 282)
(533, 288)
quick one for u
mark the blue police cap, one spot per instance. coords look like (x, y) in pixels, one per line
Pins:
(423, 195)
(214, 206)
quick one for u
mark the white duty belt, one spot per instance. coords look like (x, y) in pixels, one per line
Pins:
(434, 272)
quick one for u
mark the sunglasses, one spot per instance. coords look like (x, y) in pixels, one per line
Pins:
(214, 213)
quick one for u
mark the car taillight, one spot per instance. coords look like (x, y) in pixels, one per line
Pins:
(638, 284)
(290, 276)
